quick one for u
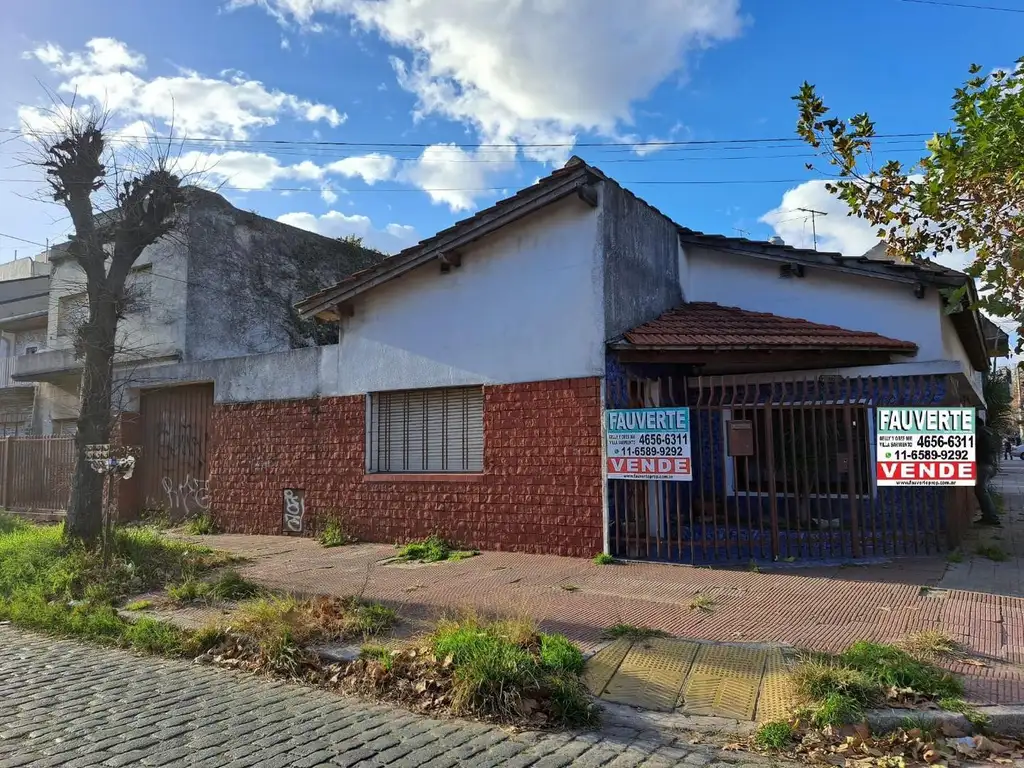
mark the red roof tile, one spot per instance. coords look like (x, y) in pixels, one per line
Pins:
(705, 325)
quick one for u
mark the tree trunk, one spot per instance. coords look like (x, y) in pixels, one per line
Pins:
(96, 340)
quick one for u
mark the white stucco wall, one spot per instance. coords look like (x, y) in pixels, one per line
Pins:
(526, 305)
(821, 296)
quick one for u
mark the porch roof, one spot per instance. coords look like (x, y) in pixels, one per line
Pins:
(703, 325)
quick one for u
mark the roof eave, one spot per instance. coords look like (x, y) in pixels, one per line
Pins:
(548, 191)
(908, 350)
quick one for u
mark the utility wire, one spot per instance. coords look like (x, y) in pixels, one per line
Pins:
(966, 5)
(513, 145)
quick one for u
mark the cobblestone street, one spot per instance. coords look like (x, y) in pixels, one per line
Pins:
(71, 704)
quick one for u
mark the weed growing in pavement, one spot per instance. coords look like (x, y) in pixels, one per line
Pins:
(703, 603)
(138, 605)
(200, 524)
(571, 587)
(974, 716)
(776, 735)
(231, 585)
(841, 687)
(932, 644)
(993, 552)
(631, 632)
(433, 549)
(191, 590)
(956, 556)
(378, 653)
(335, 535)
(753, 567)
(506, 675)
(604, 559)
(276, 629)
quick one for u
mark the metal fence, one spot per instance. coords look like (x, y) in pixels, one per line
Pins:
(783, 470)
(36, 473)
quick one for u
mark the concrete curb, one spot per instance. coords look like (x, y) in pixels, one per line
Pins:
(1002, 720)
(622, 716)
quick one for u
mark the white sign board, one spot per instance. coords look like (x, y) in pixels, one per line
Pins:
(926, 446)
(648, 444)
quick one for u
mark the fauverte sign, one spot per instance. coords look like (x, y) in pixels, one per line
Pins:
(926, 446)
(648, 444)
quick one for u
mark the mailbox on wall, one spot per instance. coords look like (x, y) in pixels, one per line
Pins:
(740, 437)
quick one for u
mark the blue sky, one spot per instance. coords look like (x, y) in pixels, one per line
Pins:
(436, 78)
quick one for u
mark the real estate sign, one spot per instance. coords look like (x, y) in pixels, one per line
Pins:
(648, 444)
(926, 446)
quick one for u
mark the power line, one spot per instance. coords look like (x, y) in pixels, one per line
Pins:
(966, 5)
(21, 239)
(388, 190)
(511, 145)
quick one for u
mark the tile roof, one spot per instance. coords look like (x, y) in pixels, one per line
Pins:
(704, 325)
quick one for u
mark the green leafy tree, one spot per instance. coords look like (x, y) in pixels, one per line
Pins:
(966, 193)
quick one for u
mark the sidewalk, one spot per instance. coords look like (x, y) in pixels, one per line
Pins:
(821, 609)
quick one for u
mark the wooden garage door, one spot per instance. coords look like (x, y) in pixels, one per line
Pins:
(176, 437)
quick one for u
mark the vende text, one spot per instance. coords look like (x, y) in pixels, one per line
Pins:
(656, 466)
(927, 470)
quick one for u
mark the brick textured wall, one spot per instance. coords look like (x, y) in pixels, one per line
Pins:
(540, 491)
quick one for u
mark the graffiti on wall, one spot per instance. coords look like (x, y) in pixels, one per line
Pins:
(294, 506)
(188, 496)
(181, 442)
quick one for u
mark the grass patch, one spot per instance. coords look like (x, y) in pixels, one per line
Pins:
(993, 552)
(60, 588)
(138, 605)
(932, 644)
(777, 735)
(631, 632)
(956, 556)
(433, 549)
(501, 671)
(201, 524)
(228, 585)
(276, 629)
(703, 603)
(604, 559)
(9, 523)
(335, 535)
(839, 688)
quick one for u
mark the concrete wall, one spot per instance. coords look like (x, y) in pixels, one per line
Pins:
(954, 350)
(18, 269)
(641, 261)
(153, 327)
(35, 337)
(822, 296)
(245, 274)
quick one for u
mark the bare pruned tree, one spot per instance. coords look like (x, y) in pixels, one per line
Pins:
(117, 209)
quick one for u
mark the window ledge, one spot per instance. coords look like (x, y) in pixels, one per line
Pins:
(413, 477)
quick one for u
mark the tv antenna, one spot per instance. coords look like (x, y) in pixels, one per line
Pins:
(814, 223)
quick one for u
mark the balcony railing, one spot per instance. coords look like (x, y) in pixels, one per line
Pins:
(6, 369)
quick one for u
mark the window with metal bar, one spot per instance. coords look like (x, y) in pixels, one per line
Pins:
(427, 430)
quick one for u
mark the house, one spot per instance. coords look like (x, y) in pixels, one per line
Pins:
(221, 284)
(467, 391)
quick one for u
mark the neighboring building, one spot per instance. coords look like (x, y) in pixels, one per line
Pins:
(221, 284)
(23, 303)
(467, 393)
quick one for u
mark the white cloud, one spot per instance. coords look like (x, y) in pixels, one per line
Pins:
(532, 71)
(328, 195)
(370, 168)
(106, 72)
(453, 176)
(390, 239)
(248, 170)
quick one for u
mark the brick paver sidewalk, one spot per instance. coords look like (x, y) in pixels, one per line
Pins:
(822, 609)
(66, 704)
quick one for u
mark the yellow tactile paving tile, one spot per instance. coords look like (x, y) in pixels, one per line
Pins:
(724, 682)
(778, 695)
(603, 664)
(651, 674)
